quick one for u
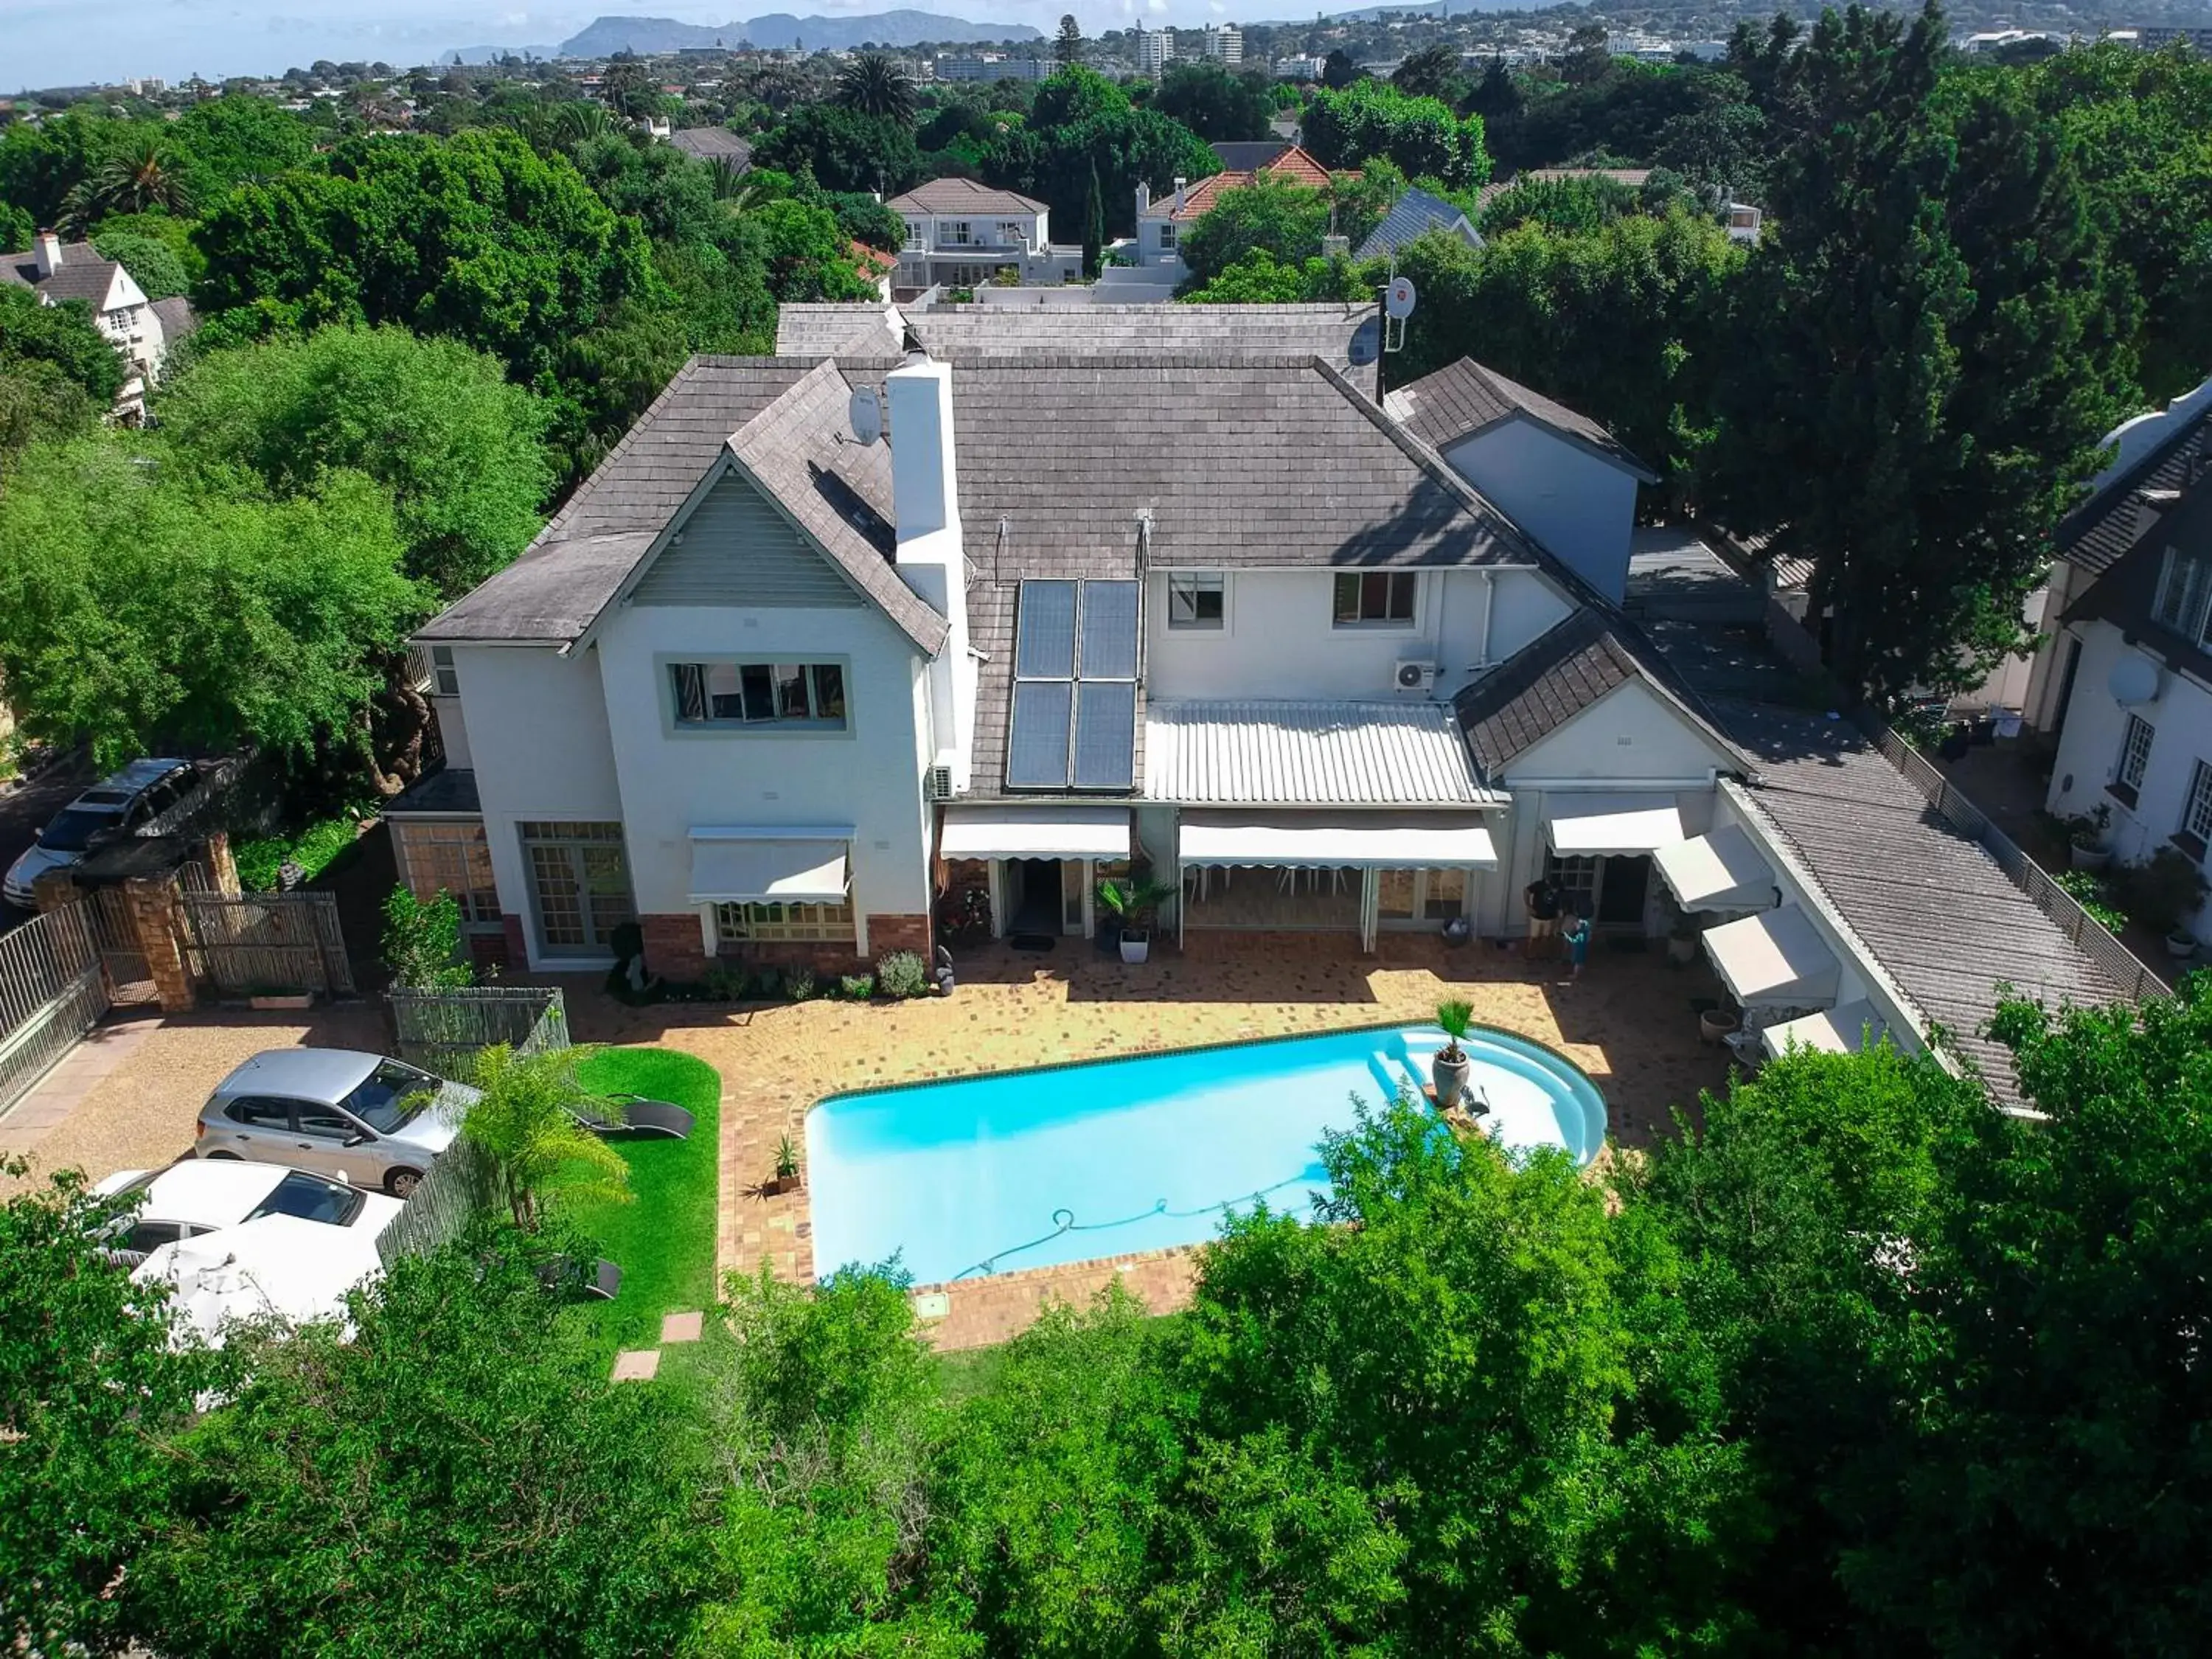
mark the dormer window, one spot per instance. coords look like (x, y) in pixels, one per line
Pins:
(2184, 603)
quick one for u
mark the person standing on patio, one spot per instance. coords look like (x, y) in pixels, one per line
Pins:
(1543, 900)
(1578, 939)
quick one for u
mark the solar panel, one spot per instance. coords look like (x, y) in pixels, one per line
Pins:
(1105, 734)
(1044, 637)
(1037, 736)
(1110, 631)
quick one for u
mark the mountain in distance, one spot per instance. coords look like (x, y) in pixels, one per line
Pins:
(781, 31)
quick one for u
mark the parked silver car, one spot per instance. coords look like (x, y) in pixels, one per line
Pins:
(361, 1117)
(146, 798)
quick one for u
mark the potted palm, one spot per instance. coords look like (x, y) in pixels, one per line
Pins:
(1451, 1066)
(786, 1170)
(1134, 904)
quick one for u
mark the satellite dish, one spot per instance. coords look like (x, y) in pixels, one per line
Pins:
(1397, 299)
(866, 413)
(2133, 680)
(1366, 342)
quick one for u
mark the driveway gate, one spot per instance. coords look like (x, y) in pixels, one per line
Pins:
(51, 993)
(266, 942)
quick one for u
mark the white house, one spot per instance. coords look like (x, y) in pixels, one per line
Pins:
(961, 233)
(1111, 589)
(57, 271)
(1162, 221)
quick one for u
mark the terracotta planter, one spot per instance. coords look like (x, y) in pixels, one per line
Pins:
(1717, 1023)
(1450, 1077)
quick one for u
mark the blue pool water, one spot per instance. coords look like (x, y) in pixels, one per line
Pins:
(1022, 1169)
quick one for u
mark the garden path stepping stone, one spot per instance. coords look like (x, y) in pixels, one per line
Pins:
(637, 1365)
(680, 1327)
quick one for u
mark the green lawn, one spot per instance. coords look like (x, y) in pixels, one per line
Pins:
(664, 1238)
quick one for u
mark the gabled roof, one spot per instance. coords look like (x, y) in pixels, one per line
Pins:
(1248, 154)
(83, 274)
(858, 329)
(962, 196)
(2126, 593)
(2096, 533)
(1290, 164)
(1411, 216)
(714, 144)
(1462, 398)
(177, 317)
(1578, 662)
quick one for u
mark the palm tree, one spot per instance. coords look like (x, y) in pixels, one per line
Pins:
(734, 184)
(577, 122)
(873, 85)
(139, 179)
(528, 1122)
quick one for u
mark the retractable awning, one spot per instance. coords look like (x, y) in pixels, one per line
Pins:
(742, 866)
(1606, 825)
(1719, 871)
(1378, 841)
(1776, 957)
(1844, 1031)
(1013, 830)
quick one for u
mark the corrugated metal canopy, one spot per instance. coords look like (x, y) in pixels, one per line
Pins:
(1719, 871)
(1011, 830)
(1308, 754)
(1844, 1031)
(766, 872)
(1776, 957)
(1604, 825)
(1380, 840)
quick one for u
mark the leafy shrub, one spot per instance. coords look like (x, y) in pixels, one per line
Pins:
(2088, 890)
(727, 984)
(800, 985)
(261, 863)
(900, 973)
(857, 988)
(769, 983)
(423, 942)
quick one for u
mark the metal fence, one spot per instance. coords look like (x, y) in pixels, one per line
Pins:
(115, 936)
(266, 942)
(462, 1184)
(51, 992)
(443, 1031)
(2095, 941)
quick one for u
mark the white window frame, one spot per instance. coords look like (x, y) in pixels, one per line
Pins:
(1385, 623)
(957, 233)
(1191, 584)
(1168, 236)
(917, 235)
(777, 724)
(2183, 604)
(2196, 805)
(445, 678)
(2136, 740)
(786, 924)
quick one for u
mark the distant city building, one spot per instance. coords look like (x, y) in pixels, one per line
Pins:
(1298, 68)
(1225, 43)
(2150, 40)
(992, 66)
(1154, 52)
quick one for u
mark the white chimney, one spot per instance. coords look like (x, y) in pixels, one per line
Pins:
(50, 252)
(932, 558)
(1181, 182)
(1144, 198)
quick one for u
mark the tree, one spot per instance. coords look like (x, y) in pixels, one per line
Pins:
(843, 149)
(1212, 102)
(1942, 345)
(1068, 44)
(1432, 72)
(1586, 58)
(93, 1375)
(1286, 219)
(460, 448)
(1421, 136)
(1094, 227)
(808, 254)
(65, 336)
(423, 942)
(630, 88)
(526, 1121)
(1258, 279)
(869, 83)
(141, 179)
(152, 265)
(452, 1476)
(1561, 205)
(147, 604)
(1338, 70)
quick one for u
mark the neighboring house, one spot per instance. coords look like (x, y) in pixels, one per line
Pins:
(1161, 223)
(57, 271)
(714, 144)
(1116, 588)
(960, 234)
(2136, 727)
(1411, 216)
(1742, 222)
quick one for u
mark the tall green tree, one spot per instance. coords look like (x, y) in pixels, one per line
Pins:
(1068, 44)
(1215, 103)
(1286, 219)
(844, 149)
(142, 179)
(526, 1122)
(1432, 72)
(870, 83)
(1422, 137)
(1940, 344)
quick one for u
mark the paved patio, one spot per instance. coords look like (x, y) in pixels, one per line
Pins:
(1629, 1024)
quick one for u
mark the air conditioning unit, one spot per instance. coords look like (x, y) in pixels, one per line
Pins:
(1414, 679)
(940, 783)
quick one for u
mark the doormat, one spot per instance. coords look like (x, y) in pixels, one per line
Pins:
(1032, 941)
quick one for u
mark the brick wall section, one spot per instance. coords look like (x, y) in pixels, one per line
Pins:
(887, 933)
(511, 929)
(153, 908)
(672, 946)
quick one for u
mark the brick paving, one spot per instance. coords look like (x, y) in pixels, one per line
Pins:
(1629, 1024)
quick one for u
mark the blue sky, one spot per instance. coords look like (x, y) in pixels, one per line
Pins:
(64, 42)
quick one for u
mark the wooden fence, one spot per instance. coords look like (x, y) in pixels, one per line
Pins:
(443, 1031)
(51, 992)
(462, 1185)
(266, 942)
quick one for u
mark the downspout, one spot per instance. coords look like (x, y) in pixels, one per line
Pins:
(1489, 606)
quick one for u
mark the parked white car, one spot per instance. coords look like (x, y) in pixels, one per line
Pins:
(239, 1240)
(146, 798)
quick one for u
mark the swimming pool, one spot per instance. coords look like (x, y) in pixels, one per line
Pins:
(1033, 1169)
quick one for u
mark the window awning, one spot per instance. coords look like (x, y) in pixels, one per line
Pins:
(1381, 840)
(1587, 826)
(1776, 957)
(1014, 830)
(1719, 871)
(739, 867)
(1844, 1031)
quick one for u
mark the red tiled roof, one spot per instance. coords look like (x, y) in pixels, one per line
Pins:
(1293, 166)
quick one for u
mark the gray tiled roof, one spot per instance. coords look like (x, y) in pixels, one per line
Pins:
(452, 790)
(178, 320)
(714, 144)
(1936, 910)
(1558, 675)
(962, 196)
(1248, 154)
(1197, 335)
(2097, 532)
(1465, 397)
(1411, 217)
(81, 275)
(861, 329)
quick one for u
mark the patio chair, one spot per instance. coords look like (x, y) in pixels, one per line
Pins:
(660, 1119)
(599, 1282)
